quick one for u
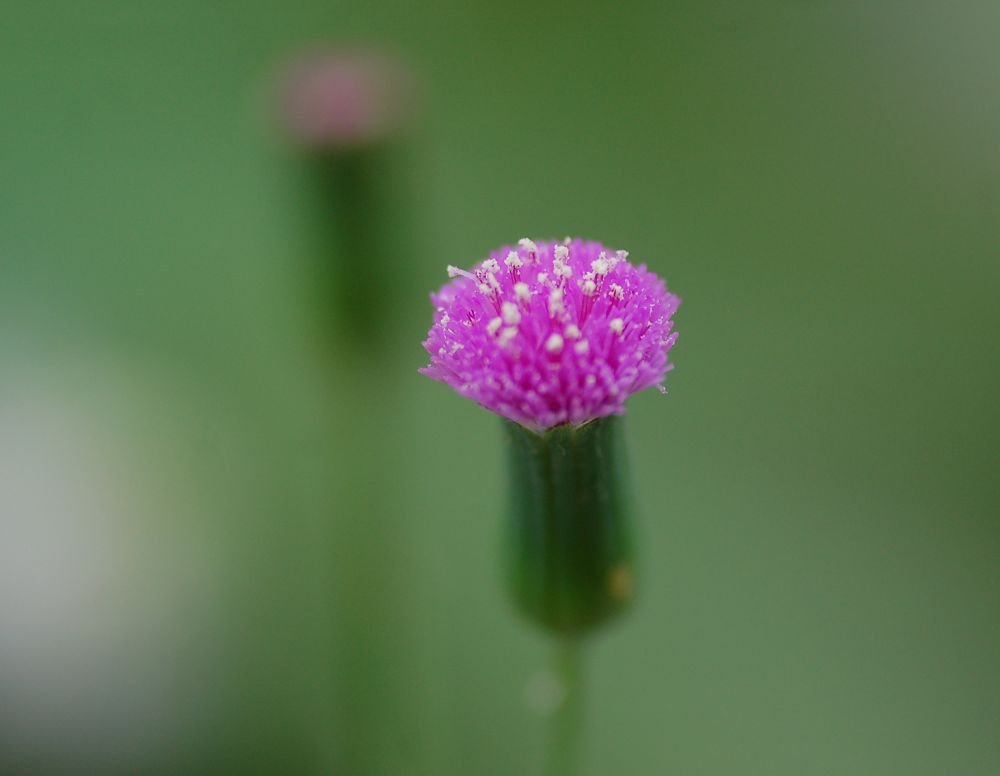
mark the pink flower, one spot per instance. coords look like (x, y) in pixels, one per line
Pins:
(346, 97)
(552, 332)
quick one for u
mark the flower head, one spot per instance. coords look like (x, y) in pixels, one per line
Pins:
(549, 333)
(346, 97)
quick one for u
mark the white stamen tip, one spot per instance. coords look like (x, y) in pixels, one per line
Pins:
(490, 265)
(522, 292)
(555, 301)
(513, 260)
(601, 265)
(510, 313)
(572, 331)
(621, 255)
(484, 289)
(590, 379)
(554, 343)
(528, 245)
(561, 252)
(616, 325)
(581, 347)
(562, 270)
(588, 288)
(507, 335)
(617, 292)
(494, 326)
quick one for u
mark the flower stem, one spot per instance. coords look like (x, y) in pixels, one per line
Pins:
(566, 726)
(358, 269)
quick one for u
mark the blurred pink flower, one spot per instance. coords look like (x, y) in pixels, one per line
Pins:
(346, 97)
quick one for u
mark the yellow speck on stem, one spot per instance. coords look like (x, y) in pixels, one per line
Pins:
(621, 582)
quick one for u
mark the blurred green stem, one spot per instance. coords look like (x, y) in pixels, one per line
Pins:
(359, 278)
(566, 726)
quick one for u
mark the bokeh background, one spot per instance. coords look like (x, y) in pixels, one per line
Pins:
(233, 542)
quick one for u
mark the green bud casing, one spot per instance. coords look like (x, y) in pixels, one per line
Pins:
(569, 562)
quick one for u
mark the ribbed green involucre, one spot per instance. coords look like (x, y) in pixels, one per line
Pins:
(569, 562)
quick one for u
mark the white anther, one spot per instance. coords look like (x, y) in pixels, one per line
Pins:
(543, 277)
(492, 280)
(572, 331)
(617, 292)
(513, 260)
(616, 325)
(554, 343)
(454, 272)
(484, 289)
(494, 326)
(522, 292)
(588, 288)
(490, 265)
(621, 255)
(507, 335)
(555, 301)
(559, 265)
(581, 347)
(510, 313)
(590, 379)
(528, 245)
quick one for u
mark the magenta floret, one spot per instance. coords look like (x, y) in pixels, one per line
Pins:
(552, 332)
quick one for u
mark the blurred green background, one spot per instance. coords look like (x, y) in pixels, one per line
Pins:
(232, 545)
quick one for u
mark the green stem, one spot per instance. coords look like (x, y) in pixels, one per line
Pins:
(357, 271)
(566, 727)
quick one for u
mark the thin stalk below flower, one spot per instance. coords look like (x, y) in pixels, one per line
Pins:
(567, 724)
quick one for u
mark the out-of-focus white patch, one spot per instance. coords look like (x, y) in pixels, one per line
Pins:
(100, 597)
